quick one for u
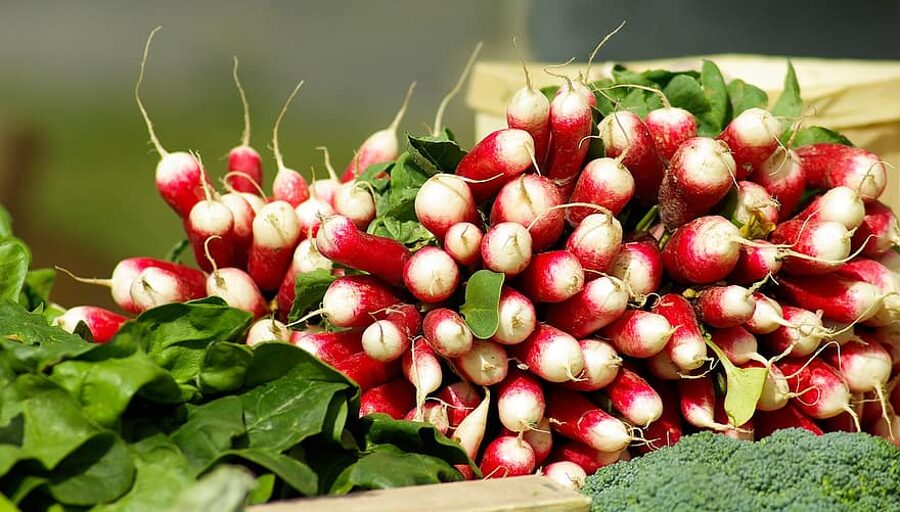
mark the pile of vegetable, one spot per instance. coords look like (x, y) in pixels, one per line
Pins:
(631, 260)
(789, 470)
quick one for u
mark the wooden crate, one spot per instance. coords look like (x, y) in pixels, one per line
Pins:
(519, 494)
(860, 99)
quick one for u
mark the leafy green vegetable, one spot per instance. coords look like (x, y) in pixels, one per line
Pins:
(14, 261)
(309, 288)
(716, 92)
(743, 387)
(818, 134)
(745, 96)
(223, 490)
(480, 309)
(405, 469)
(435, 154)
(789, 103)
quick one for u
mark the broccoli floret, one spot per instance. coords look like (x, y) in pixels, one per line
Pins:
(791, 470)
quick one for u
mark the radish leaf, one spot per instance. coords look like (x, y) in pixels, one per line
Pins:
(818, 134)
(14, 260)
(309, 288)
(743, 387)
(789, 103)
(712, 122)
(435, 154)
(481, 308)
(745, 96)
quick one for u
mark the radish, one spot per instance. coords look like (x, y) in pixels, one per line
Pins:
(267, 329)
(256, 202)
(767, 315)
(699, 175)
(178, 175)
(891, 260)
(580, 420)
(840, 204)
(552, 276)
(340, 241)
(670, 127)
(470, 431)
(463, 243)
(447, 332)
(567, 474)
(817, 247)
(766, 423)
(698, 403)
(889, 336)
(380, 147)
(879, 231)
(686, 347)
(276, 233)
(725, 306)
(662, 367)
(594, 307)
(623, 132)
(310, 214)
(502, 155)
(532, 201)
(460, 398)
(551, 354)
(704, 250)
(325, 189)
(102, 323)
(354, 201)
(604, 182)
(393, 398)
(442, 201)
(507, 456)
(485, 364)
(433, 413)
(889, 431)
(638, 333)
(841, 300)
(350, 301)
(756, 262)
(833, 165)
(289, 185)
(666, 431)
(822, 392)
(242, 215)
(329, 347)
(506, 248)
(866, 367)
(585, 457)
(570, 123)
(237, 289)
(517, 318)
(639, 265)
(367, 372)
(243, 160)
(784, 178)
(386, 340)
(633, 396)
(776, 392)
(156, 286)
(873, 272)
(520, 401)
(540, 438)
(128, 270)
(738, 344)
(210, 231)
(596, 241)
(306, 259)
(755, 210)
(801, 334)
(431, 275)
(529, 110)
(752, 137)
(601, 365)
(743, 432)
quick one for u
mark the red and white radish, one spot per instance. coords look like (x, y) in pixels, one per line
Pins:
(752, 137)
(289, 185)
(156, 286)
(329, 347)
(670, 127)
(686, 347)
(431, 275)
(533, 202)
(601, 365)
(506, 248)
(738, 344)
(873, 272)
(433, 413)
(310, 214)
(529, 110)
(817, 247)
(102, 323)
(552, 276)
(596, 241)
(698, 403)
(756, 262)
(594, 307)
(517, 318)
(350, 301)
(463, 243)
(355, 202)
(380, 147)
(704, 250)
(460, 398)
(470, 431)
(342, 242)
(633, 396)
(442, 201)
(242, 214)
(767, 315)
(765, 423)
(822, 392)
(422, 368)
(639, 265)
(576, 418)
(800, 335)
(699, 175)
(784, 178)
(243, 160)
(841, 300)
(839, 204)
(582, 455)
(446, 332)
(725, 306)
(393, 398)
(833, 165)
(879, 231)
(639, 333)
(520, 401)
(551, 354)
(755, 209)
(306, 259)
(485, 364)
(567, 474)
(389, 338)
(502, 155)
(367, 372)
(210, 231)
(604, 182)
(507, 456)
(237, 289)
(570, 123)
(267, 329)
(276, 233)
(624, 132)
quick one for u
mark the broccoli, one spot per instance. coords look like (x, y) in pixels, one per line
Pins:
(790, 470)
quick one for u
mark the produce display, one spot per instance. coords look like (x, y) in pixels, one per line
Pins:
(630, 261)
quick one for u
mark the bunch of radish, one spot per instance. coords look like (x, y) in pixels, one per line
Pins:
(757, 270)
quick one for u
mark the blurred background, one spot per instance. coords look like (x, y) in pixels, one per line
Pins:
(76, 170)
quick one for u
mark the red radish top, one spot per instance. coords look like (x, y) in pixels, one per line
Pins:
(783, 176)
(570, 123)
(340, 241)
(502, 155)
(623, 131)
(831, 165)
(380, 147)
(531, 201)
(102, 323)
(704, 250)
(752, 137)
(288, 185)
(244, 159)
(670, 127)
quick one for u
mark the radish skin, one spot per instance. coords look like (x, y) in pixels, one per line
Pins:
(698, 403)
(765, 423)
(517, 318)
(604, 182)
(841, 300)
(633, 396)
(470, 431)
(638, 333)
(442, 201)
(585, 457)
(670, 128)
(687, 347)
(821, 391)
(242, 214)
(832, 165)
(699, 175)
(267, 329)
(340, 241)
(825, 241)
(623, 131)
(738, 344)
(755, 208)
(596, 241)
(422, 368)
(102, 323)
(639, 265)
(485, 364)
(502, 155)
(704, 250)
(306, 259)
(328, 347)
(387, 339)
(506, 248)
(447, 333)
(567, 474)
(529, 110)
(601, 365)
(520, 401)
(356, 203)
(367, 372)
(238, 290)
(552, 276)
(393, 398)
(463, 243)
(800, 336)
(752, 137)
(879, 231)
(783, 176)
(531, 201)
(578, 419)
(460, 398)
(507, 456)
(431, 275)
(310, 214)
(433, 413)
(570, 123)
(756, 262)
(725, 306)
(551, 354)
(767, 315)
(600, 302)
(156, 286)
(840, 204)
(276, 233)
(350, 301)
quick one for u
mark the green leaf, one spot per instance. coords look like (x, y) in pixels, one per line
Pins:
(38, 284)
(743, 387)
(99, 471)
(105, 388)
(309, 288)
(685, 92)
(176, 252)
(412, 436)
(410, 233)
(210, 430)
(716, 92)
(223, 490)
(224, 367)
(377, 176)
(818, 134)
(405, 469)
(745, 96)
(292, 471)
(5, 224)
(789, 103)
(481, 308)
(14, 261)
(435, 154)
(262, 492)
(29, 342)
